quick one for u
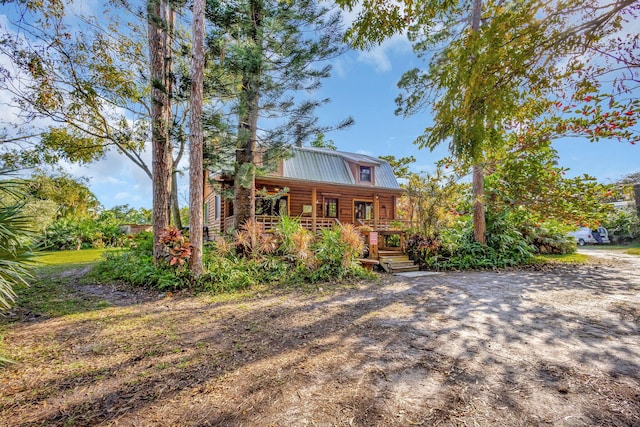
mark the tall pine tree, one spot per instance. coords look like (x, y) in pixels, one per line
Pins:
(276, 51)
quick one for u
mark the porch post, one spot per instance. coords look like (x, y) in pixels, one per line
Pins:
(376, 208)
(314, 208)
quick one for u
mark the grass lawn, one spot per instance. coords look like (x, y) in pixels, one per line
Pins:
(51, 289)
(85, 256)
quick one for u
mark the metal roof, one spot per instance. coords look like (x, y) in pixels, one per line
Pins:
(317, 164)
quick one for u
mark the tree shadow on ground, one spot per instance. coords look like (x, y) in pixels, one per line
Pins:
(517, 347)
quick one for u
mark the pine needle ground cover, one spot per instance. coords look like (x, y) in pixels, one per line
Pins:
(517, 347)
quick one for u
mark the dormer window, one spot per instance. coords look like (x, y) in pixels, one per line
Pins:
(365, 173)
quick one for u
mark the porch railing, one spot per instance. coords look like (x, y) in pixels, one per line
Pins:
(270, 221)
(385, 224)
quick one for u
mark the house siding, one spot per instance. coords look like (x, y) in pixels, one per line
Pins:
(300, 195)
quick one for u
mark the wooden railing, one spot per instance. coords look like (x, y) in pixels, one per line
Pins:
(307, 222)
(270, 221)
(385, 224)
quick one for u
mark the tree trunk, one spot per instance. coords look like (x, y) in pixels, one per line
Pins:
(161, 156)
(479, 222)
(244, 185)
(175, 205)
(196, 190)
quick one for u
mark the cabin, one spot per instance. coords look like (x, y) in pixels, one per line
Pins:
(322, 188)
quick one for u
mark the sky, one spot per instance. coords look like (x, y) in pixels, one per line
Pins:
(364, 85)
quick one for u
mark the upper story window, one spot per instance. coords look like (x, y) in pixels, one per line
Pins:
(365, 173)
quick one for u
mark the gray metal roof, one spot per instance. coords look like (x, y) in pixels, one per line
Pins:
(317, 164)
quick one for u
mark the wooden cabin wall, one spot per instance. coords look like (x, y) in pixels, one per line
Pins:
(300, 195)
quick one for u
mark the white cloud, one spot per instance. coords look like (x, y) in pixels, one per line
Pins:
(379, 56)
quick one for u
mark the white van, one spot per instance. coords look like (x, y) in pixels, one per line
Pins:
(585, 235)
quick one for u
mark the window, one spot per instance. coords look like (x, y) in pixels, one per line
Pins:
(218, 203)
(365, 173)
(330, 208)
(272, 206)
(362, 210)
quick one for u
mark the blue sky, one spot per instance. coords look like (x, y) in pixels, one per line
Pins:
(363, 85)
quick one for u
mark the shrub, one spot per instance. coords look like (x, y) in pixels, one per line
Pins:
(623, 225)
(337, 251)
(549, 237)
(74, 234)
(177, 246)
(286, 259)
(456, 249)
(253, 241)
(134, 266)
(294, 242)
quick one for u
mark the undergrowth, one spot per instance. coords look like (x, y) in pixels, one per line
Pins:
(286, 256)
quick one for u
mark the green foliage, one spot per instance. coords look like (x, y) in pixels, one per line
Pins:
(71, 233)
(399, 166)
(226, 270)
(337, 251)
(322, 142)
(135, 267)
(531, 181)
(230, 273)
(125, 214)
(549, 237)
(456, 249)
(294, 242)
(623, 225)
(15, 233)
(72, 196)
(434, 202)
(14, 252)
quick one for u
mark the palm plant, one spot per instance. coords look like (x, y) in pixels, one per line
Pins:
(15, 233)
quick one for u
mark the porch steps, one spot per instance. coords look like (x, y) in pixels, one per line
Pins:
(396, 263)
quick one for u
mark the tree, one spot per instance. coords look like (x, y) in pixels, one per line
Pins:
(435, 201)
(531, 182)
(72, 196)
(91, 79)
(399, 166)
(159, 18)
(84, 81)
(196, 177)
(498, 77)
(273, 49)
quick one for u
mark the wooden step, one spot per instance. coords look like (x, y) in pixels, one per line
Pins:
(395, 264)
(390, 252)
(402, 264)
(395, 269)
(394, 258)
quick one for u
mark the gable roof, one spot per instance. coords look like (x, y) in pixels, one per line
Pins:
(318, 164)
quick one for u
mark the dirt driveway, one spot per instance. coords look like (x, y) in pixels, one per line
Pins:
(556, 346)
